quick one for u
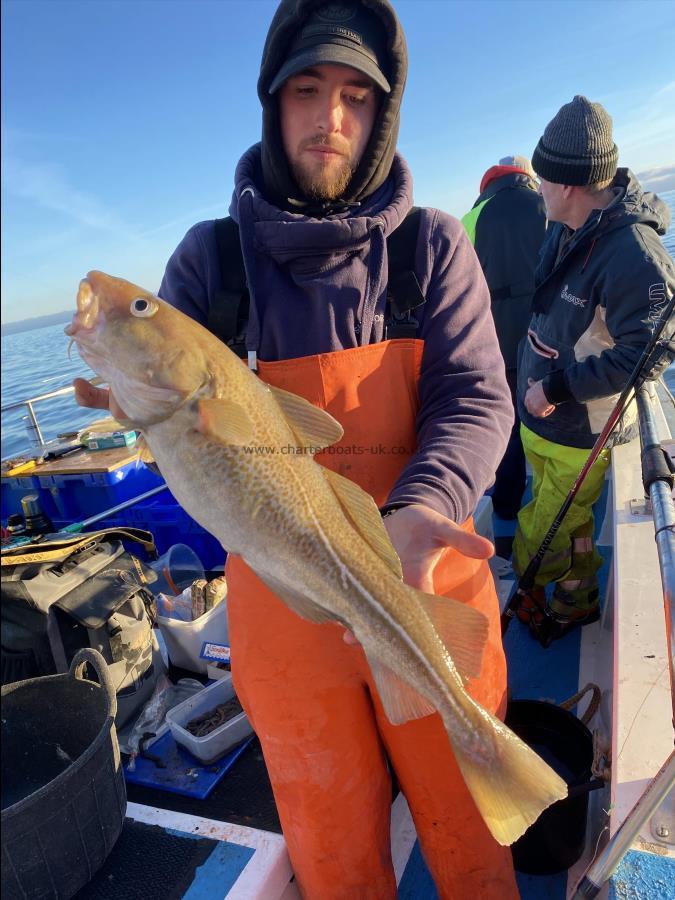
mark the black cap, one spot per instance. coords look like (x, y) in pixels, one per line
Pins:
(340, 34)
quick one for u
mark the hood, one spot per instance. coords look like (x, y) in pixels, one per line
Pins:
(635, 206)
(495, 172)
(302, 234)
(306, 248)
(278, 182)
(631, 206)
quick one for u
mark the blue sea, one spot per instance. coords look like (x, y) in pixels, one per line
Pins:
(36, 362)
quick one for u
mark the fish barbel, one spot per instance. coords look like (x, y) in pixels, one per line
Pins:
(312, 536)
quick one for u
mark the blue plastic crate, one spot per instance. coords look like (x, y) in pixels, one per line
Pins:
(169, 524)
(78, 496)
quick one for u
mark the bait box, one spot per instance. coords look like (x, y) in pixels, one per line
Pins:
(185, 640)
(109, 439)
(211, 746)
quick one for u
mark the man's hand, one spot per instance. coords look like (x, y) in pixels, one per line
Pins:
(535, 400)
(420, 537)
(87, 394)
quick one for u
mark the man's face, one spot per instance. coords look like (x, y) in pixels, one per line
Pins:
(327, 114)
(554, 200)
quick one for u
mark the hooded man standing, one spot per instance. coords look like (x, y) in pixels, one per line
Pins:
(412, 371)
(603, 280)
(506, 226)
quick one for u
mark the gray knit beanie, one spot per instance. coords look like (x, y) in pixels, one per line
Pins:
(520, 162)
(577, 146)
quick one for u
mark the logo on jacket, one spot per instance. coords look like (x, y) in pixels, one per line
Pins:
(576, 301)
(657, 302)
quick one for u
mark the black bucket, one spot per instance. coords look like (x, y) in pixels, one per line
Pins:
(63, 793)
(557, 839)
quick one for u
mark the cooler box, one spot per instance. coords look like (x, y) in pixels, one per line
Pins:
(81, 484)
(170, 524)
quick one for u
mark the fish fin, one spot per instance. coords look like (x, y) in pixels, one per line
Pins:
(103, 426)
(301, 606)
(462, 629)
(400, 701)
(362, 510)
(513, 787)
(313, 427)
(224, 421)
(144, 451)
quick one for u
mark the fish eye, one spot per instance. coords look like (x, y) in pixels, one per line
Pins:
(143, 307)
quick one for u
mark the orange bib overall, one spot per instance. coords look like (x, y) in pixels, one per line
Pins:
(310, 696)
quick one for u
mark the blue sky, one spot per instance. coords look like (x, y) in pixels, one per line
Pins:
(122, 120)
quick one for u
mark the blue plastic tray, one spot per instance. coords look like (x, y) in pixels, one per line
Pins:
(183, 774)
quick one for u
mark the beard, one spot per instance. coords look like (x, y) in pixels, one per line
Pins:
(322, 184)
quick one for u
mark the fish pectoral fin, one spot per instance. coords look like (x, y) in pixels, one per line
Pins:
(362, 510)
(400, 701)
(144, 452)
(103, 426)
(313, 427)
(462, 629)
(224, 421)
(512, 786)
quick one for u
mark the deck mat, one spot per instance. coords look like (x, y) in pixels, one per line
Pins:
(243, 797)
(148, 861)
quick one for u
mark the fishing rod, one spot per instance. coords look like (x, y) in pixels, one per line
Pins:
(650, 356)
(608, 861)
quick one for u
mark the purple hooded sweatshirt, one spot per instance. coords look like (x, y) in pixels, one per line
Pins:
(319, 285)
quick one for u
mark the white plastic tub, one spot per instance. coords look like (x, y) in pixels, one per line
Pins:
(184, 640)
(212, 746)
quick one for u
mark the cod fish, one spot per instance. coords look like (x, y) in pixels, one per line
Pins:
(316, 539)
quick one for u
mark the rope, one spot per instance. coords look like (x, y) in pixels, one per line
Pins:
(599, 766)
(592, 706)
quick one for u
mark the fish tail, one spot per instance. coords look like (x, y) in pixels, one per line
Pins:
(512, 785)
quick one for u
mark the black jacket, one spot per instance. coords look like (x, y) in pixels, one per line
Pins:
(594, 311)
(507, 225)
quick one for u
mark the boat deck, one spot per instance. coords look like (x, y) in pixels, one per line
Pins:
(244, 835)
(230, 844)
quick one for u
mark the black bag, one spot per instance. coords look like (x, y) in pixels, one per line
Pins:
(94, 597)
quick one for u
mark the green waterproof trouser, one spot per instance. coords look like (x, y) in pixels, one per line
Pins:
(572, 561)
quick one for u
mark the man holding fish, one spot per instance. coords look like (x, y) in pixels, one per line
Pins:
(339, 664)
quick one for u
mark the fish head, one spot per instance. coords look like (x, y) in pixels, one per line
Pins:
(152, 355)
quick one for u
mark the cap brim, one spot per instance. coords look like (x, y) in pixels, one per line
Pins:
(329, 54)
